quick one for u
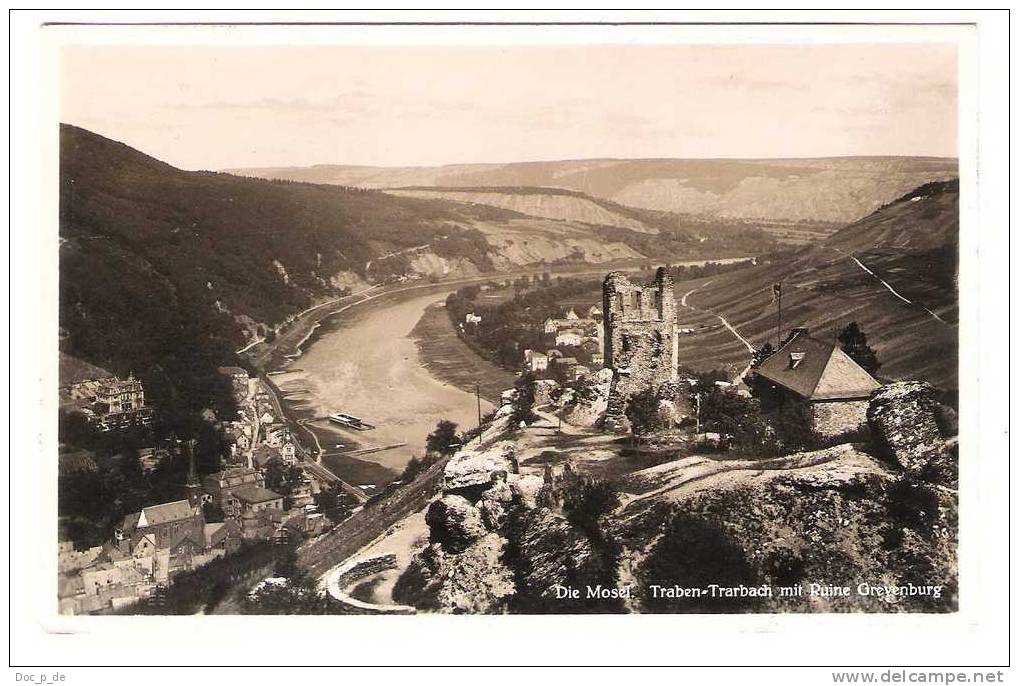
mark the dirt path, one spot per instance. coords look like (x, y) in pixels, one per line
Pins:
(891, 290)
(722, 319)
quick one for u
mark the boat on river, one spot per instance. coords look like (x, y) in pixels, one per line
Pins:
(350, 421)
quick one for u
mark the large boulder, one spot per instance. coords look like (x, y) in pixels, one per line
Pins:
(474, 469)
(525, 489)
(454, 523)
(494, 505)
(902, 419)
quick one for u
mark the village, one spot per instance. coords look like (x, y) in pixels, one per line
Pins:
(221, 512)
(612, 373)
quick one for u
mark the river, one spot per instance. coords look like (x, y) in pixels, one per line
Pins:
(367, 365)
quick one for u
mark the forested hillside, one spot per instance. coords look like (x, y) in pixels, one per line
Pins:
(162, 269)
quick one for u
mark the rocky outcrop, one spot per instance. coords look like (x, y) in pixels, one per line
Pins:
(554, 550)
(472, 581)
(526, 488)
(494, 505)
(902, 419)
(474, 469)
(833, 517)
(462, 569)
(454, 522)
(589, 411)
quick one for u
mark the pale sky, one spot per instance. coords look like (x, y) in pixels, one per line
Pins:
(220, 107)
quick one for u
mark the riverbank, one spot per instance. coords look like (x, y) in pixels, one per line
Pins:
(392, 358)
(452, 361)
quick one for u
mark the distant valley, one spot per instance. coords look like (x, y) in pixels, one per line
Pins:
(824, 190)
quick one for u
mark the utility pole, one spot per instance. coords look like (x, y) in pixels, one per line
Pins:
(777, 290)
(477, 394)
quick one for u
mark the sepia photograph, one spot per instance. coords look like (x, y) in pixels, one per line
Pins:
(432, 326)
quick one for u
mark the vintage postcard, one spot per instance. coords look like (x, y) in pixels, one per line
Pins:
(401, 324)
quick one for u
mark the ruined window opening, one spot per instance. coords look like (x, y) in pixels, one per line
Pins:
(656, 343)
(638, 300)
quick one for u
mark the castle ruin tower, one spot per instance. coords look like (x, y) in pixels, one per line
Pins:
(641, 342)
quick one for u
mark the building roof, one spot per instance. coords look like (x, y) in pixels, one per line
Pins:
(263, 454)
(255, 494)
(817, 370)
(160, 514)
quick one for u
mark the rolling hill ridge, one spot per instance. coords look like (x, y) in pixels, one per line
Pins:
(894, 272)
(835, 190)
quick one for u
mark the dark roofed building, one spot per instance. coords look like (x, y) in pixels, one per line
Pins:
(170, 523)
(821, 376)
(255, 498)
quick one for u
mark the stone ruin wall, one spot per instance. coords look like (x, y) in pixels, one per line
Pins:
(838, 417)
(641, 346)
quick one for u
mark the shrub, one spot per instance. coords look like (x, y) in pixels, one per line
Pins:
(585, 502)
(444, 440)
(912, 505)
(695, 552)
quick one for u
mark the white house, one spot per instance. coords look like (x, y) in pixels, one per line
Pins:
(535, 361)
(569, 337)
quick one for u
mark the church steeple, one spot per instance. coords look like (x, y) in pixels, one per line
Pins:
(192, 487)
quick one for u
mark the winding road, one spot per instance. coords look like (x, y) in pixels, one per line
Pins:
(722, 319)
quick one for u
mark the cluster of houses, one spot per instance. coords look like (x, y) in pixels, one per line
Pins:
(152, 546)
(258, 436)
(111, 403)
(569, 338)
(160, 541)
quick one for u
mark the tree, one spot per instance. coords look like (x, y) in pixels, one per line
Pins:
(761, 355)
(213, 512)
(523, 401)
(586, 502)
(275, 475)
(853, 342)
(642, 411)
(732, 415)
(332, 505)
(444, 440)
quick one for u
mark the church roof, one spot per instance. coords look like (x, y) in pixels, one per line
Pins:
(159, 514)
(817, 370)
